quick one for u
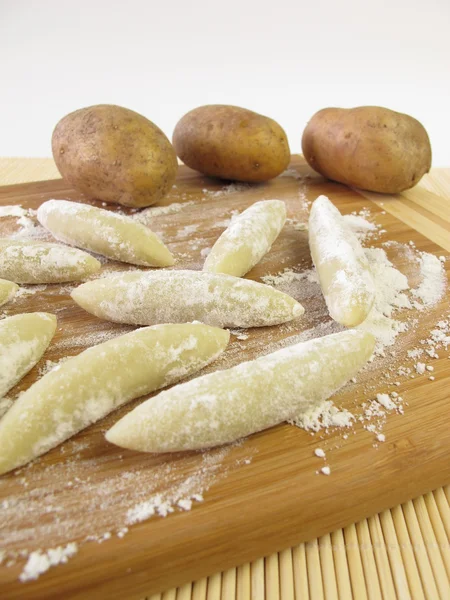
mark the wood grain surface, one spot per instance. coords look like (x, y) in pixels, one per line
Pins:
(250, 510)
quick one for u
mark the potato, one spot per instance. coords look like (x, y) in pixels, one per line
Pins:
(114, 154)
(369, 147)
(231, 143)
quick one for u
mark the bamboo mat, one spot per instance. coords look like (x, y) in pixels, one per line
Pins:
(400, 553)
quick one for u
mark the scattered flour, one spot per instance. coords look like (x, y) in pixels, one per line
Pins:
(227, 222)
(433, 284)
(30, 290)
(29, 228)
(420, 368)
(297, 225)
(187, 231)
(324, 416)
(359, 224)
(301, 286)
(319, 453)
(52, 365)
(290, 172)
(385, 401)
(13, 210)
(39, 562)
(390, 285)
(147, 215)
(232, 188)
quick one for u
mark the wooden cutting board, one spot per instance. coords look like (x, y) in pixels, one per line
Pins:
(260, 496)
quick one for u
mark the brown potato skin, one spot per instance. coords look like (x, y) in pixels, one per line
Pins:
(114, 154)
(231, 143)
(369, 147)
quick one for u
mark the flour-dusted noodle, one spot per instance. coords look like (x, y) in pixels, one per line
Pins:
(102, 231)
(341, 264)
(248, 238)
(181, 296)
(87, 387)
(227, 405)
(42, 262)
(8, 290)
(23, 340)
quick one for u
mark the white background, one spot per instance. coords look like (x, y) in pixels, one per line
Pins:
(285, 59)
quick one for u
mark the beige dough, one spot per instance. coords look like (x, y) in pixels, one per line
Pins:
(85, 388)
(342, 266)
(8, 290)
(23, 340)
(105, 232)
(41, 262)
(144, 298)
(224, 406)
(248, 238)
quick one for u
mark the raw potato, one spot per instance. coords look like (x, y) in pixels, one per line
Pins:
(114, 154)
(86, 388)
(104, 232)
(231, 143)
(8, 290)
(248, 238)
(369, 147)
(42, 262)
(23, 340)
(224, 406)
(180, 296)
(341, 264)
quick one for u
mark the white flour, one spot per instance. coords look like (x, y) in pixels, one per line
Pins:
(432, 286)
(13, 210)
(390, 284)
(147, 215)
(359, 223)
(186, 231)
(40, 562)
(324, 416)
(291, 173)
(288, 278)
(231, 188)
(29, 228)
(52, 365)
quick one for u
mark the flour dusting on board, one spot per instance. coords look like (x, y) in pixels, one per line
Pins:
(394, 312)
(147, 215)
(432, 286)
(40, 562)
(13, 210)
(25, 227)
(49, 494)
(118, 498)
